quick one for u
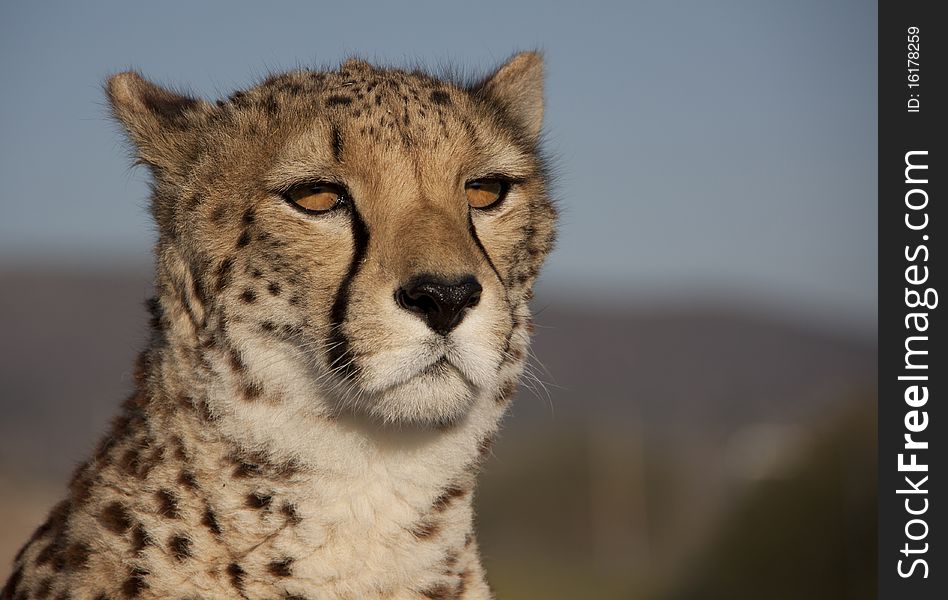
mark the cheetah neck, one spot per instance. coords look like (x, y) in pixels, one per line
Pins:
(242, 412)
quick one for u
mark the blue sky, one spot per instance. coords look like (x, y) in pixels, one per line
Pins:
(723, 149)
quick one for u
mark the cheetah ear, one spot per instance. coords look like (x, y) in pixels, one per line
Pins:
(162, 124)
(518, 87)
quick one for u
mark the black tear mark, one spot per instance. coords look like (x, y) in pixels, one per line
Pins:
(338, 356)
(477, 241)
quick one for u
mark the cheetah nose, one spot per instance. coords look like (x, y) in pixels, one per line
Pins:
(439, 302)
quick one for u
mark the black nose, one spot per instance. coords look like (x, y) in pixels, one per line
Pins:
(439, 302)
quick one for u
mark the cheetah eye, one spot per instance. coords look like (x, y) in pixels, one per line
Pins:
(484, 193)
(316, 198)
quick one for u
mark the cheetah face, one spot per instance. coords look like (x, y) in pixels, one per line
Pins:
(382, 227)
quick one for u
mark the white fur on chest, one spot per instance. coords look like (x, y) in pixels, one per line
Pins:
(368, 489)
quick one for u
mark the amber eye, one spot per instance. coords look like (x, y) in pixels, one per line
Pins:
(482, 193)
(316, 197)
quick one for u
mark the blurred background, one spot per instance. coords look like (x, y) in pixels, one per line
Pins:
(701, 423)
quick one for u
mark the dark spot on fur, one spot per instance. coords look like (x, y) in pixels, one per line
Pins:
(337, 100)
(223, 273)
(252, 390)
(440, 97)
(447, 497)
(44, 587)
(271, 105)
(188, 480)
(209, 520)
(179, 452)
(248, 296)
(244, 239)
(259, 500)
(167, 504)
(439, 592)
(236, 362)
(57, 517)
(22, 550)
(218, 214)
(425, 529)
(245, 469)
(12, 584)
(257, 464)
(153, 305)
(274, 288)
(180, 546)
(157, 455)
(115, 517)
(41, 531)
(145, 464)
(281, 568)
(484, 448)
(77, 556)
(249, 216)
(103, 453)
(140, 539)
(133, 586)
(236, 574)
(50, 550)
(268, 326)
(292, 516)
(59, 558)
(80, 487)
(204, 410)
(505, 393)
(129, 461)
(336, 143)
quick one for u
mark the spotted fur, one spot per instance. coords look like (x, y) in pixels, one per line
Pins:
(294, 432)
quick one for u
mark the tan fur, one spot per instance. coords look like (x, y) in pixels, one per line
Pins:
(295, 433)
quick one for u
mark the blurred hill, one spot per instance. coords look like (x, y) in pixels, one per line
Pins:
(822, 546)
(647, 429)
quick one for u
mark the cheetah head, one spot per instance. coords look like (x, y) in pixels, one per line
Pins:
(377, 229)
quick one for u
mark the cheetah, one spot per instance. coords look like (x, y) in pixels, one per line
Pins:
(344, 263)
